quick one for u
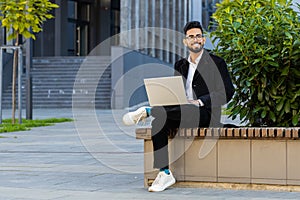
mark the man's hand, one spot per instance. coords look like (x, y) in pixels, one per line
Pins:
(195, 102)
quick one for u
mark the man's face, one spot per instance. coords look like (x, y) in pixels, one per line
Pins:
(194, 40)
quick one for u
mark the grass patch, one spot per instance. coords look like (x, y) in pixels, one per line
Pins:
(26, 125)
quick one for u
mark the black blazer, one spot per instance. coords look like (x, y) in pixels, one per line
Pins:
(211, 83)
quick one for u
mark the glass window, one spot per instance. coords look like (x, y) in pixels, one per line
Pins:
(208, 8)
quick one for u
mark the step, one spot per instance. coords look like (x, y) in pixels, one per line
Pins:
(54, 78)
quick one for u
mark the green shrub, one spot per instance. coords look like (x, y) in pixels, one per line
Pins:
(260, 41)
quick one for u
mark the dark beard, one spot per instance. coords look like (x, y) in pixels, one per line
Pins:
(196, 50)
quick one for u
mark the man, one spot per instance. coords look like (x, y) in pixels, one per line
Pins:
(208, 87)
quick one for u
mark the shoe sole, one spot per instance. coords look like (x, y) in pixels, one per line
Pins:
(170, 184)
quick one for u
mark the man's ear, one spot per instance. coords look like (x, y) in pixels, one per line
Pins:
(184, 42)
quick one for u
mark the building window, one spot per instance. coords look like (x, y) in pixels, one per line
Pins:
(208, 8)
(115, 21)
(78, 27)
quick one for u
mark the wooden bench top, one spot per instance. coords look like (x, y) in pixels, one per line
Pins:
(236, 133)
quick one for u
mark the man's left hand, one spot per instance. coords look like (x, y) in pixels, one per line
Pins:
(195, 102)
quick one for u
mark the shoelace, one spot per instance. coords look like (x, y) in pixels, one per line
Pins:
(139, 119)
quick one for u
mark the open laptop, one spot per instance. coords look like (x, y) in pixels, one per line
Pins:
(165, 91)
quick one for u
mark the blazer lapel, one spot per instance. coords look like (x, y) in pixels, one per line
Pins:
(185, 70)
(201, 65)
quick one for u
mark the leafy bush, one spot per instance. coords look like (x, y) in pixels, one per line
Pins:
(260, 41)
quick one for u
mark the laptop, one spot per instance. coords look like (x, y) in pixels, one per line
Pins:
(165, 91)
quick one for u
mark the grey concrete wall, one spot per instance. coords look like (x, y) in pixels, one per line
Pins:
(141, 15)
(129, 68)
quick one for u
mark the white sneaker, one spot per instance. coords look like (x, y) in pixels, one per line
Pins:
(162, 181)
(134, 117)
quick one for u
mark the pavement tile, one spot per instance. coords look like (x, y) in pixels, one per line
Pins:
(89, 159)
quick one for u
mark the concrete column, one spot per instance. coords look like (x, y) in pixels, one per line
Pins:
(174, 28)
(146, 24)
(168, 42)
(61, 28)
(153, 25)
(137, 25)
(161, 25)
(125, 23)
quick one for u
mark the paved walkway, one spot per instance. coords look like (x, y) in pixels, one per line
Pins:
(94, 157)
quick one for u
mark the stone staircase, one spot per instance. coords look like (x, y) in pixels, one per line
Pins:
(63, 82)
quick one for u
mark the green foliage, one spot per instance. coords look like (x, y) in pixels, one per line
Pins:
(7, 125)
(21, 15)
(260, 40)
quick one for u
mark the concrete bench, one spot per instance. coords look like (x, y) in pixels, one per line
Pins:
(247, 157)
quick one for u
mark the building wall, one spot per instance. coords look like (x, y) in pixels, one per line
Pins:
(104, 22)
(139, 15)
(129, 68)
(89, 22)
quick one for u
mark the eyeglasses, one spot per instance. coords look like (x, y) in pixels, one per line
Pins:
(193, 37)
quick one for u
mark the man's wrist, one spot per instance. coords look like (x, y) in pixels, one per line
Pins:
(200, 102)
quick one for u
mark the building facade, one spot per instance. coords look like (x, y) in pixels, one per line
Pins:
(147, 26)
(80, 25)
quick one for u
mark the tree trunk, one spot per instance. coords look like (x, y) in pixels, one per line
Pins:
(14, 77)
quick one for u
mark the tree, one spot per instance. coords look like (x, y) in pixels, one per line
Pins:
(260, 40)
(22, 16)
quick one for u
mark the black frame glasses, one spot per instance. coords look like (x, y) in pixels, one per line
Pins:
(193, 37)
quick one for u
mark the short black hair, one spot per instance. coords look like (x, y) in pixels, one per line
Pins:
(192, 24)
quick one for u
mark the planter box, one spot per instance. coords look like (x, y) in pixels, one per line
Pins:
(229, 155)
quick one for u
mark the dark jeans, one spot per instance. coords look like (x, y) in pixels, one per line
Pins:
(170, 117)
